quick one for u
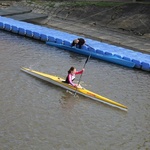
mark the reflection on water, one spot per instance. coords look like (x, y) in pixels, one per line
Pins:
(68, 100)
(35, 114)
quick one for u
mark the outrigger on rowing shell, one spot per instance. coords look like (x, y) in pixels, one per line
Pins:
(82, 91)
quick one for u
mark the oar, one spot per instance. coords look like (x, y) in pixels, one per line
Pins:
(82, 73)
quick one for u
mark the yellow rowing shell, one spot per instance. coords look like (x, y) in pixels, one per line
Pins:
(60, 82)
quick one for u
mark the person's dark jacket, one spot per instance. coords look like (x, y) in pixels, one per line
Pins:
(80, 43)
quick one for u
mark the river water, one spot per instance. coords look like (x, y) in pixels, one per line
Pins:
(36, 115)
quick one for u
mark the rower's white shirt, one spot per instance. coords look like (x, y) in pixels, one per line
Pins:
(73, 77)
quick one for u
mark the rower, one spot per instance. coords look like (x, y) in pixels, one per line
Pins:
(71, 76)
(78, 42)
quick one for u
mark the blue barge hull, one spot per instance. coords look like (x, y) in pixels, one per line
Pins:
(87, 51)
(59, 38)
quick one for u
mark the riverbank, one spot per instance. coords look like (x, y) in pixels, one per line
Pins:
(115, 23)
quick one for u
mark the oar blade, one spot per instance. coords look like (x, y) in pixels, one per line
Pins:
(87, 59)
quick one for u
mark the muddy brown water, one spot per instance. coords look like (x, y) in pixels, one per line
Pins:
(37, 115)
